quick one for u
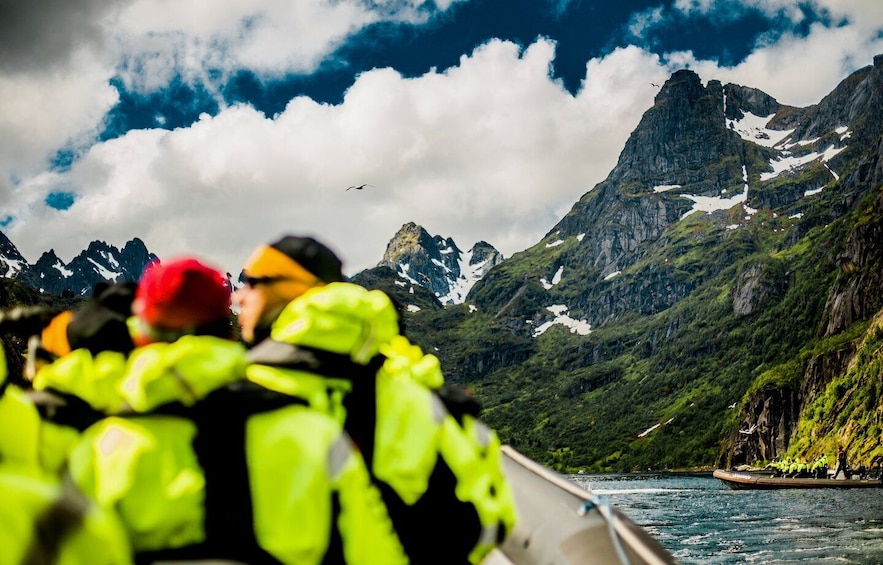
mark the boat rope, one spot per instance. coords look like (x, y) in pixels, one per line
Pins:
(606, 511)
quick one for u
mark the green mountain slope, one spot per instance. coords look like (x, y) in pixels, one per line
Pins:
(703, 324)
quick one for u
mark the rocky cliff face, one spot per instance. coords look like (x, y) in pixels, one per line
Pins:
(437, 264)
(665, 148)
(756, 286)
(856, 295)
(858, 290)
(769, 422)
(11, 261)
(681, 154)
(740, 100)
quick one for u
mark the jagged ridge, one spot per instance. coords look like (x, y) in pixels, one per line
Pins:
(99, 262)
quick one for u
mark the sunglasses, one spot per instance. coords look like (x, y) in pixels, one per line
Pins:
(257, 281)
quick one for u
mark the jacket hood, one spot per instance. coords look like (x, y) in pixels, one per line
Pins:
(342, 318)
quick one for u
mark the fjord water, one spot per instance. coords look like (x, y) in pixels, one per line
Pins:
(701, 521)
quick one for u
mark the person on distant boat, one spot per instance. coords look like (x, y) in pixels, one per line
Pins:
(780, 466)
(842, 465)
(862, 472)
(819, 467)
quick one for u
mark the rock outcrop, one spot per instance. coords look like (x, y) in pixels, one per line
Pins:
(437, 264)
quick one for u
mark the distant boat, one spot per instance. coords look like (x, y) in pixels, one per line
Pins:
(739, 480)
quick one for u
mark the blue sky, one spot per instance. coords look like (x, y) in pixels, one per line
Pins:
(210, 126)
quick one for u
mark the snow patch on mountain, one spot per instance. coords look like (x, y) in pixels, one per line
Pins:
(9, 267)
(753, 128)
(65, 272)
(789, 162)
(556, 278)
(712, 203)
(469, 275)
(580, 327)
(102, 270)
(665, 187)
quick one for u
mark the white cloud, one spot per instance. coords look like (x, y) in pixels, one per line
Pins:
(734, 9)
(225, 35)
(39, 37)
(42, 113)
(491, 149)
(57, 57)
(858, 12)
(778, 63)
(781, 69)
(267, 37)
(643, 21)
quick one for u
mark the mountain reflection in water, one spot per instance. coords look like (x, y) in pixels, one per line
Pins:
(700, 521)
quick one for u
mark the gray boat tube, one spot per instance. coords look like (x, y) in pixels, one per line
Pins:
(561, 523)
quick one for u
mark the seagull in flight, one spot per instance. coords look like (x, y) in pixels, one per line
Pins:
(654, 84)
(359, 187)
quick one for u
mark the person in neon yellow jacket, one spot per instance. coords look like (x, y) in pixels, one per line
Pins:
(201, 464)
(44, 520)
(338, 346)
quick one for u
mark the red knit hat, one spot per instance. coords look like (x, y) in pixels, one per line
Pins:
(181, 294)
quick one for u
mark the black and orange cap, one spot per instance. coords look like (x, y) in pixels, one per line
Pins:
(291, 255)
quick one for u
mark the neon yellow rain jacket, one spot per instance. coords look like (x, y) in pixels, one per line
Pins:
(42, 519)
(215, 467)
(338, 348)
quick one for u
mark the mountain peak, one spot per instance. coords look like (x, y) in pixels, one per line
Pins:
(11, 261)
(49, 258)
(99, 262)
(742, 99)
(681, 83)
(437, 263)
(676, 138)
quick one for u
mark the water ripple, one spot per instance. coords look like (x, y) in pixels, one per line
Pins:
(701, 521)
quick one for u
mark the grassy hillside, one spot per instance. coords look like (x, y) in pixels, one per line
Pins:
(662, 391)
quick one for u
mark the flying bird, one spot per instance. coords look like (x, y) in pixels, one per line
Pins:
(654, 84)
(359, 187)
